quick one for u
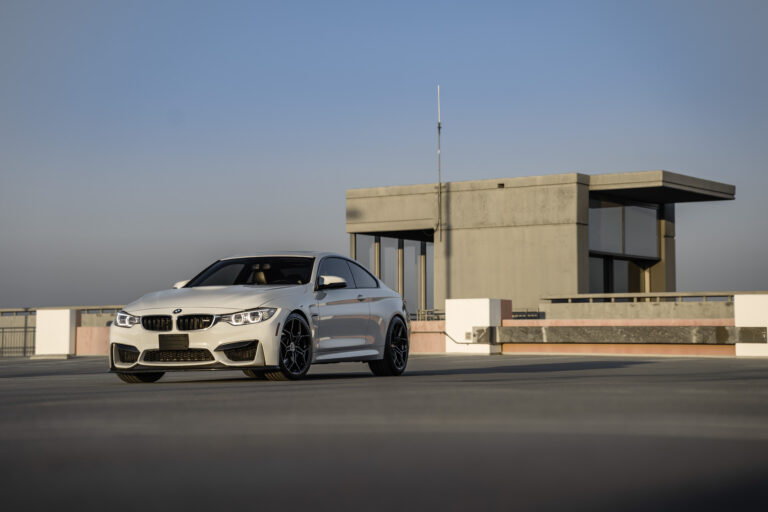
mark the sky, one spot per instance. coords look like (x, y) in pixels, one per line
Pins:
(142, 140)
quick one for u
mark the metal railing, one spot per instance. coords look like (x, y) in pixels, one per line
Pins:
(527, 314)
(428, 315)
(17, 341)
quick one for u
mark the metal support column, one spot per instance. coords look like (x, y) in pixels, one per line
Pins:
(647, 280)
(377, 256)
(423, 277)
(352, 246)
(400, 266)
(26, 324)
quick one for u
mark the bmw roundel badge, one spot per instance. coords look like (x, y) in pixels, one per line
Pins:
(177, 311)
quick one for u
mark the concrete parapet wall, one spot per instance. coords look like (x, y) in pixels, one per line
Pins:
(596, 322)
(96, 319)
(628, 310)
(17, 318)
(644, 349)
(627, 334)
(92, 341)
(427, 337)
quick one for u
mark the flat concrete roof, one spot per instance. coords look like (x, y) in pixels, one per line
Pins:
(660, 187)
(469, 185)
(644, 186)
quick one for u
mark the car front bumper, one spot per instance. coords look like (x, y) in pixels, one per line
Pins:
(219, 347)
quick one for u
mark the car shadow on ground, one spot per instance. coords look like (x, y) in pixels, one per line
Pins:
(241, 378)
(572, 366)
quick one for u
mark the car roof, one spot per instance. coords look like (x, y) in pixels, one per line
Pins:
(301, 254)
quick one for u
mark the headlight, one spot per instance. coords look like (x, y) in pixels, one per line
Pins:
(252, 316)
(123, 319)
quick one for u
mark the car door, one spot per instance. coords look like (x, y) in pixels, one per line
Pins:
(342, 318)
(380, 311)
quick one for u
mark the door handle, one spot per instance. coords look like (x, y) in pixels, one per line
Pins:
(360, 298)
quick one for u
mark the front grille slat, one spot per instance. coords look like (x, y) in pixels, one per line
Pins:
(194, 322)
(177, 356)
(157, 322)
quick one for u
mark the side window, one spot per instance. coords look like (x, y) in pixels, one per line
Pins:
(363, 278)
(336, 267)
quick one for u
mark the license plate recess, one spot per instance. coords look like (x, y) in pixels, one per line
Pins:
(174, 341)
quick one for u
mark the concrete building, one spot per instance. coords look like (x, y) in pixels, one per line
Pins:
(566, 263)
(524, 239)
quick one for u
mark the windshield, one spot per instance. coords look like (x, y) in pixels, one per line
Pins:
(264, 270)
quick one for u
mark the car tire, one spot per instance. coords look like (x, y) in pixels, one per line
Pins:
(139, 378)
(295, 354)
(254, 374)
(395, 351)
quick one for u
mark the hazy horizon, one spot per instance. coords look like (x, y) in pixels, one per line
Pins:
(140, 141)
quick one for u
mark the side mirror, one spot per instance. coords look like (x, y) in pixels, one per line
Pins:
(328, 282)
(180, 284)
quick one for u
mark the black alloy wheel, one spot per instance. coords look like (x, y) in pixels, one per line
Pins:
(395, 351)
(295, 350)
(138, 378)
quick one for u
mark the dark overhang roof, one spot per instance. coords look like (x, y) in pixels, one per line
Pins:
(660, 187)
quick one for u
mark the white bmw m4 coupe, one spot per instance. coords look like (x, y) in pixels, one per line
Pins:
(269, 315)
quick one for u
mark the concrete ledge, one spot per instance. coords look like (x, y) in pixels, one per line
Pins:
(51, 356)
(646, 349)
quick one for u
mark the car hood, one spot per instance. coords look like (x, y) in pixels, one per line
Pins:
(232, 298)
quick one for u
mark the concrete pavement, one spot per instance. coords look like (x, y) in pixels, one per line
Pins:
(453, 433)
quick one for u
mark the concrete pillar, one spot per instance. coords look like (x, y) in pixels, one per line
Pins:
(377, 256)
(55, 333)
(352, 246)
(582, 239)
(751, 311)
(400, 266)
(461, 315)
(663, 274)
(423, 276)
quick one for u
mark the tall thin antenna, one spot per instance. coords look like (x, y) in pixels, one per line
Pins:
(439, 177)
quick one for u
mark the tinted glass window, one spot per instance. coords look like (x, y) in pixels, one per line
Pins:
(620, 276)
(266, 270)
(641, 231)
(605, 229)
(623, 229)
(362, 278)
(222, 275)
(364, 249)
(336, 267)
(596, 275)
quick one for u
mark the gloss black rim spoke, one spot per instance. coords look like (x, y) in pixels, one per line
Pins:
(399, 345)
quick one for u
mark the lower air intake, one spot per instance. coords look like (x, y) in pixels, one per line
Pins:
(127, 354)
(177, 356)
(242, 353)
